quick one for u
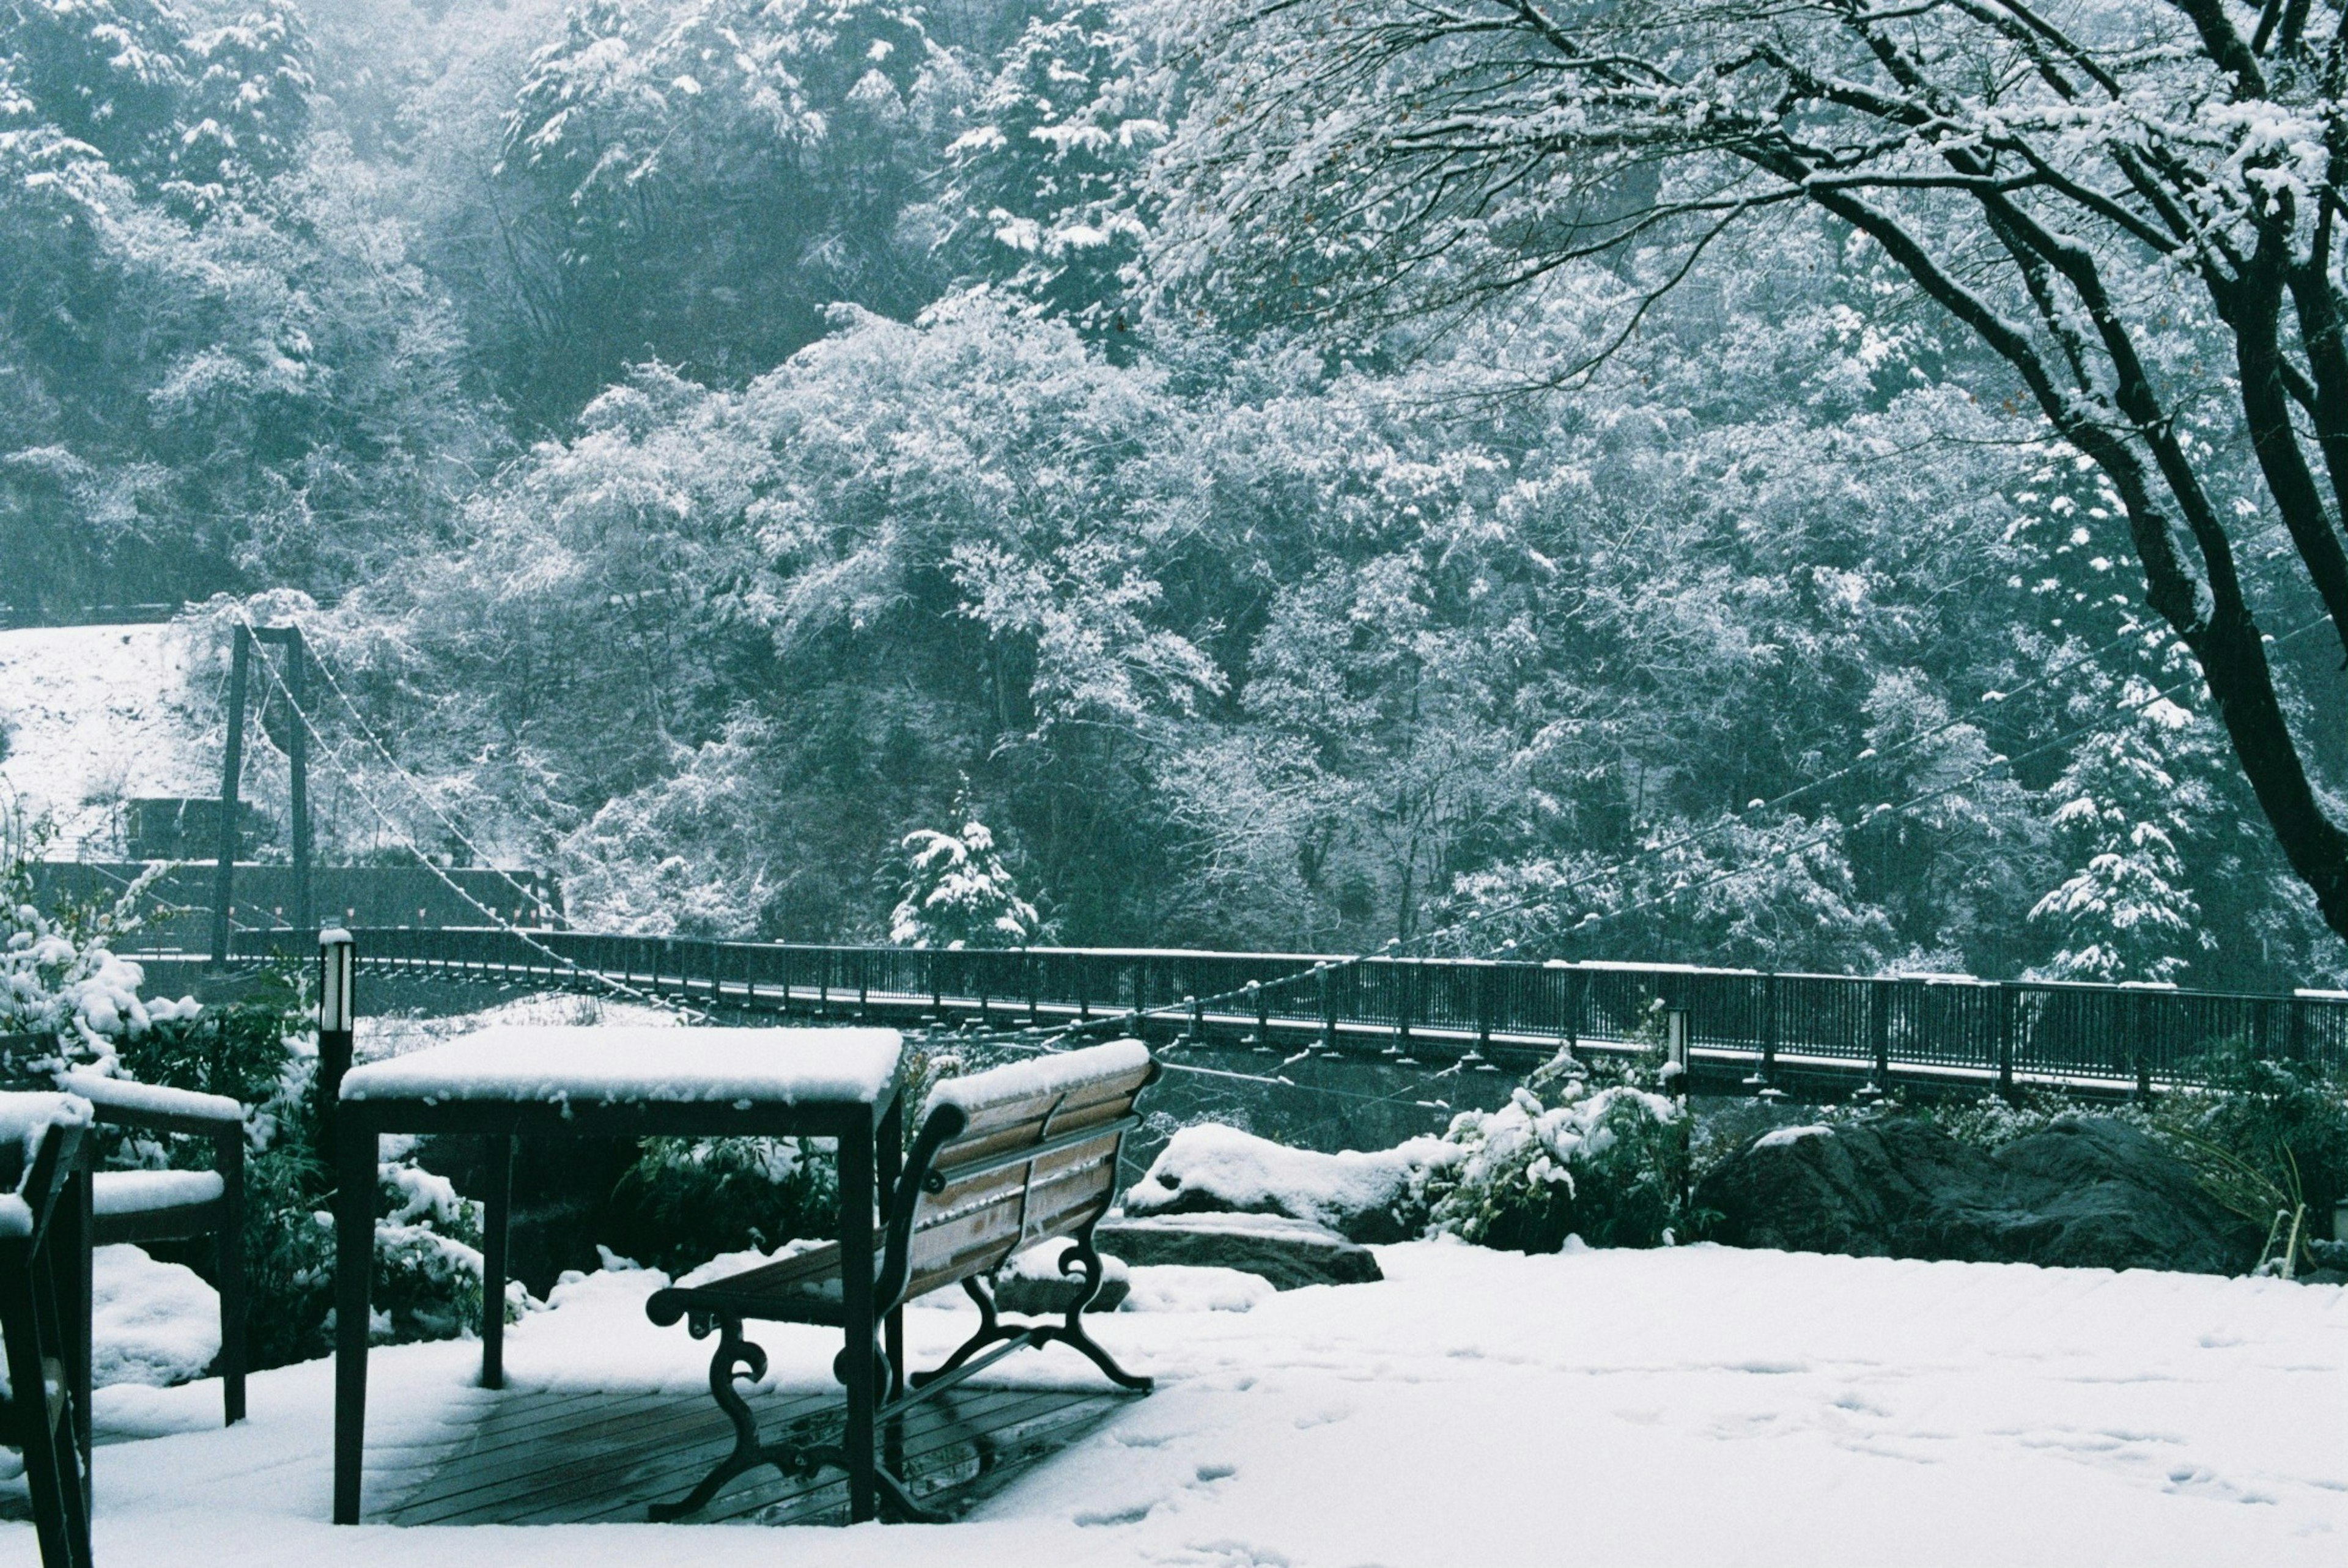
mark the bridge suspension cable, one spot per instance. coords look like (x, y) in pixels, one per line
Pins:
(1032, 1041)
(333, 760)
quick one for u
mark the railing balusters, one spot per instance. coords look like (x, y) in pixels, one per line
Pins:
(1999, 1034)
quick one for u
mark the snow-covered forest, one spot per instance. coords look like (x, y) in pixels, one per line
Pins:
(1257, 462)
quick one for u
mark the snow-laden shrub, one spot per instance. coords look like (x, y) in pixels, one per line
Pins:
(427, 1257)
(260, 1051)
(2268, 1139)
(61, 983)
(1992, 1122)
(685, 1200)
(1567, 1156)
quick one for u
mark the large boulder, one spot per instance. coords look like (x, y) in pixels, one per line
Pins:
(1291, 1253)
(1363, 1198)
(2086, 1192)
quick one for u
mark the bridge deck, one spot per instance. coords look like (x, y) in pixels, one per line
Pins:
(573, 1457)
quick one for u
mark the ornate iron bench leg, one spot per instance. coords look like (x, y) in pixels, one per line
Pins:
(990, 1332)
(1082, 1257)
(736, 1357)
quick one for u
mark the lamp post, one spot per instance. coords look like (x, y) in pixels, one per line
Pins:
(338, 968)
(1676, 1051)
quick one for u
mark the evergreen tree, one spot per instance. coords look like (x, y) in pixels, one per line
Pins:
(1044, 192)
(959, 894)
(2125, 912)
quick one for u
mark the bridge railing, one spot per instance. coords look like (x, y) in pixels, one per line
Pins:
(1946, 1026)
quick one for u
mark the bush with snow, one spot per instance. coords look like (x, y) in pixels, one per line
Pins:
(1567, 1156)
(60, 981)
(686, 1200)
(150, 1322)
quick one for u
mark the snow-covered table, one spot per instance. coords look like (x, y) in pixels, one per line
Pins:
(542, 1081)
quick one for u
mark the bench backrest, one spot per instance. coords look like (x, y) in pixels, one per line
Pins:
(1007, 1158)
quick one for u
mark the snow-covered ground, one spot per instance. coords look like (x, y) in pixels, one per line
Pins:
(96, 715)
(1697, 1405)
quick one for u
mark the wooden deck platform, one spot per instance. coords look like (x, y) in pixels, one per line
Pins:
(564, 1458)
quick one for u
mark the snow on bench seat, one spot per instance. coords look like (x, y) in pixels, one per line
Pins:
(633, 1064)
(145, 1191)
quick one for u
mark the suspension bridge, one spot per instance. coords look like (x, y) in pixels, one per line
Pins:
(1759, 1031)
(1755, 1029)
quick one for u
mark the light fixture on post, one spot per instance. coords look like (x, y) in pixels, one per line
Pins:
(337, 1011)
(1676, 1051)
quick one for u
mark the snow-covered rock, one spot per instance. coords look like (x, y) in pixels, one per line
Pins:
(1363, 1198)
(1290, 1254)
(2086, 1191)
(1031, 1285)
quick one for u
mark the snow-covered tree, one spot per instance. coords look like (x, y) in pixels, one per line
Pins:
(1045, 190)
(61, 984)
(699, 182)
(2124, 812)
(959, 894)
(2132, 209)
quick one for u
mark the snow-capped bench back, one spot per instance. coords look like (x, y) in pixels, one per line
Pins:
(1012, 1156)
(1005, 1159)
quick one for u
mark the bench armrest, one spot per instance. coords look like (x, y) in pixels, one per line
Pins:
(153, 1105)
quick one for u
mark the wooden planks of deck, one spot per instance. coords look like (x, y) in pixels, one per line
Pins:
(580, 1456)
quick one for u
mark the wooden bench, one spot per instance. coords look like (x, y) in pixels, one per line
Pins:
(44, 1198)
(140, 1207)
(1005, 1159)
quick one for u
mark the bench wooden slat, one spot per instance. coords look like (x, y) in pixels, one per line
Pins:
(955, 1228)
(983, 1242)
(178, 1221)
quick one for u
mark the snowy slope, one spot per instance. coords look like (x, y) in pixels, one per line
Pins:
(95, 714)
(1478, 1409)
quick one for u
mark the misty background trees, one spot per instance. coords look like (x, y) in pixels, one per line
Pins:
(731, 437)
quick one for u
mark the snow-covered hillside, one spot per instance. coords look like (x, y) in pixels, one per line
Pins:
(93, 715)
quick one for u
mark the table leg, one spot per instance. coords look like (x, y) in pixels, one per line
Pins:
(229, 1247)
(889, 1158)
(76, 1272)
(496, 1224)
(856, 1162)
(355, 1179)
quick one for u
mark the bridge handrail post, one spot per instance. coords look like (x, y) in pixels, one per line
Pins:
(1878, 1030)
(1577, 1003)
(1406, 995)
(2005, 1039)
